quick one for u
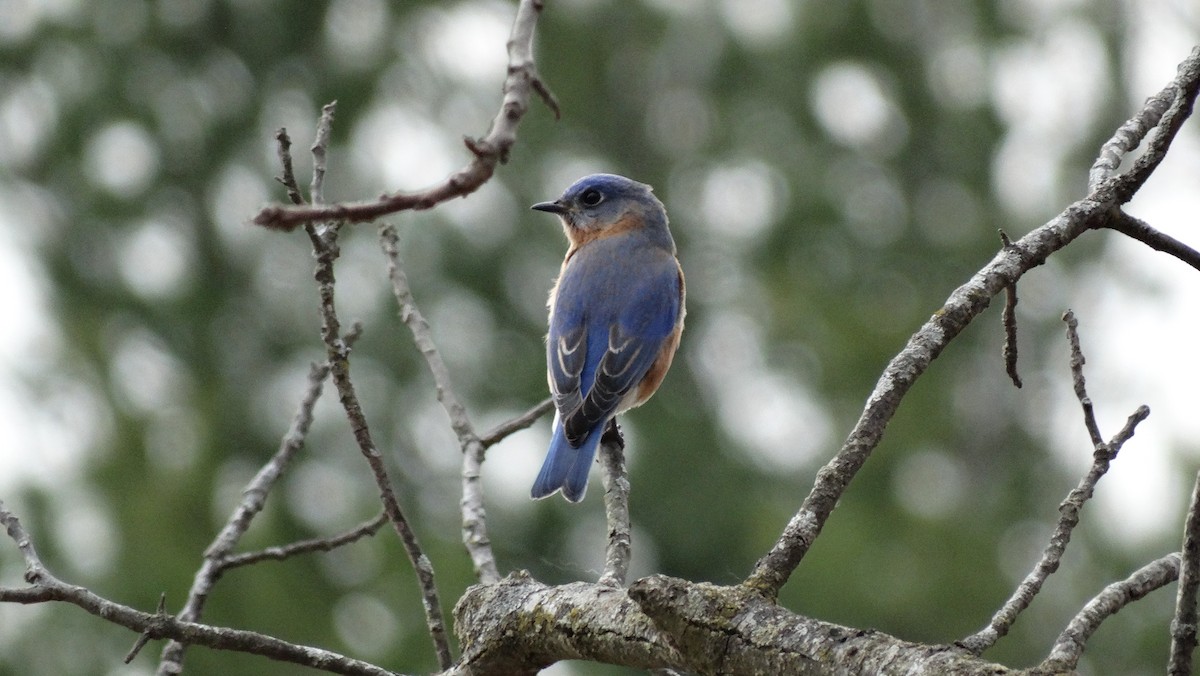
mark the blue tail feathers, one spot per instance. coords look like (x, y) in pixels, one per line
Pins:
(567, 467)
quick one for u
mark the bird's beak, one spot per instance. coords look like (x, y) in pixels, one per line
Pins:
(550, 207)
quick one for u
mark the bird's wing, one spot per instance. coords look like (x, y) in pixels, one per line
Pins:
(632, 325)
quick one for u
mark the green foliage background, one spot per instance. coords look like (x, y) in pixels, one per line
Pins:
(173, 387)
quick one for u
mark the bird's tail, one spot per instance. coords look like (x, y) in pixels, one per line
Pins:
(566, 467)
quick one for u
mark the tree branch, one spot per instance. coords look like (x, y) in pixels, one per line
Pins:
(518, 626)
(1009, 319)
(616, 507)
(1102, 456)
(964, 305)
(1184, 89)
(474, 517)
(501, 431)
(1183, 625)
(1064, 656)
(325, 249)
(254, 497)
(1159, 241)
(326, 544)
(522, 81)
(45, 587)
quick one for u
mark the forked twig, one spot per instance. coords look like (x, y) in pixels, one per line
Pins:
(523, 80)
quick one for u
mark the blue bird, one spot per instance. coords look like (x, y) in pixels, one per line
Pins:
(616, 313)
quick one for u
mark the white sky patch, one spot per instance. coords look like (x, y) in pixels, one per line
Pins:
(155, 260)
(404, 148)
(366, 624)
(122, 158)
(852, 105)
(774, 417)
(759, 23)
(355, 31)
(28, 115)
(513, 464)
(467, 40)
(741, 200)
(1046, 90)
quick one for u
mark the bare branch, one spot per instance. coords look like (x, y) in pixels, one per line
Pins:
(1159, 241)
(1064, 656)
(320, 151)
(46, 588)
(339, 359)
(254, 497)
(1068, 511)
(1186, 85)
(616, 507)
(288, 178)
(522, 81)
(474, 527)
(326, 544)
(964, 304)
(501, 431)
(1129, 136)
(1078, 381)
(1009, 319)
(1183, 626)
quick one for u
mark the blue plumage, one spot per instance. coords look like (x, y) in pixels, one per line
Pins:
(616, 313)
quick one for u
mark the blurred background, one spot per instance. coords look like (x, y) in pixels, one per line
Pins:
(833, 171)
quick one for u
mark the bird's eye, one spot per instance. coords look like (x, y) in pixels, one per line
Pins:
(591, 197)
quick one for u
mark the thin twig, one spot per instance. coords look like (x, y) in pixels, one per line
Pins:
(1159, 241)
(288, 178)
(254, 497)
(616, 507)
(1183, 625)
(474, 518)
(1064, 656)
(1079, 382)
(320, 150)
(501, 431)
(339, 359)
(964, 304)
(45, 588)
(326, 544)
(488, 152)
(1068, 518)
(1009, 319)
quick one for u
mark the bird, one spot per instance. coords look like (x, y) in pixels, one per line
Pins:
(616, 314)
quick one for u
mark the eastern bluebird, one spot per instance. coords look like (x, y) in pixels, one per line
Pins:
(616, 312)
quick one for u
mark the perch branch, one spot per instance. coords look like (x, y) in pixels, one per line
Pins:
(488, 152)
(616, 507)
(1183, 626)
(964, 304)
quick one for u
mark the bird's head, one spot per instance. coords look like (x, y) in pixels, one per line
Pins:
(604, 204)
